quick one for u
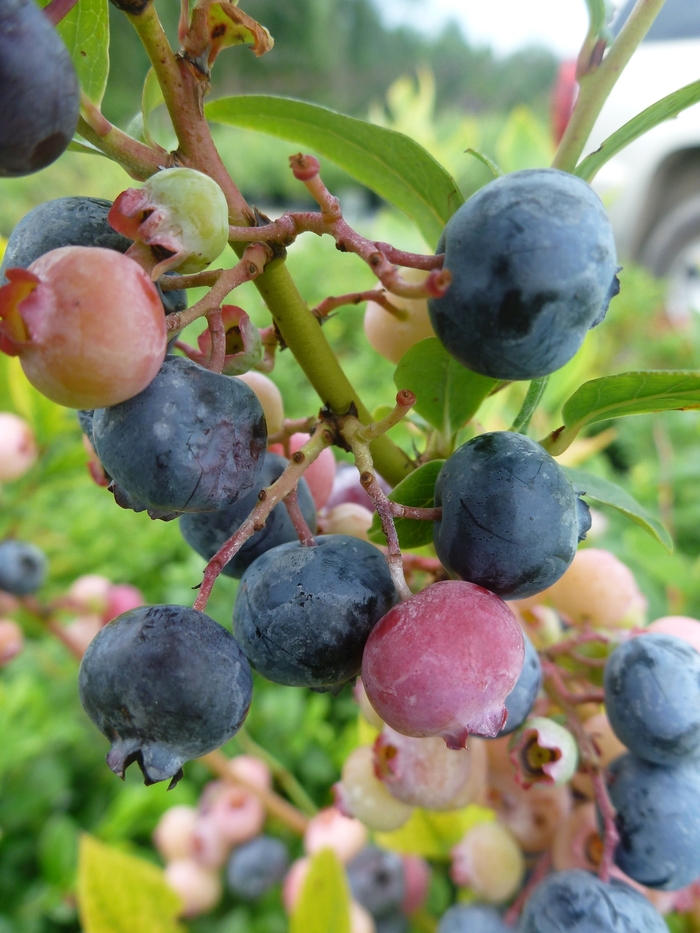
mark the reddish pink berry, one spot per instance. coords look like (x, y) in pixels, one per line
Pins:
(90, 592)
(329, 829)
(11, 641)
(681, 626)
(238, 813)
(443, 662)
(87, 325)
(294, 882)
(174, 834)
(320, 475)
(18, 450)
(121, 597)
(417, 880)
(199, 888)
(82, 630)
(251, 771)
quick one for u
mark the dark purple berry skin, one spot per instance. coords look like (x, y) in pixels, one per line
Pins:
(579, 902)
(71, 221)
(522, 697)
(658, 821)
(257, 866)
(165, 684)
(22, 567)
(39, 92)
(652, 697)
(205, 532)
(192, 441)
(533, 266)
(511, 520)
(377, 880)
(303, 614)
(472, 918)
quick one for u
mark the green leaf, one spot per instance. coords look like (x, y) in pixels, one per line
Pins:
(418, 489)
(80, 145)
(151, 97)
(119, 893)
(447, 394)
(324, 903)
(634, 393)
(393, 165)
(524, 142)
(432, 834)
(604, 492)
(484, 159)
(85, 30)
(664, 109)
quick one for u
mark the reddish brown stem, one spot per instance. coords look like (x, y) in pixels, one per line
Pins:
(329, 304)
(57, 9)
(553, 673)
(581, 638)
(301, 527)
(611, 836)
(218, 341)
(207, 278)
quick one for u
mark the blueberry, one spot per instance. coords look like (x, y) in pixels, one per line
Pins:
(472, 918)
(71, 221)
(652, 697)
(22, 567)
(521, 698)
(533, 266)
(303, 614)
(192, 441)
(205, 532)
(85, 418)
(393, 923)
(256, 866)
(40, 94)
(377, 880)
(658, 821)
(511, 520)
(165, 684)
(578, 902)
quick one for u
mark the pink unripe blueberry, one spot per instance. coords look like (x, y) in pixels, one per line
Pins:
(209, 844)
(121, 597)
(443, 663)
(18, 450)
(361, 794)
(82, 630)
(392, 336)
(173, 836)
(90, 592)
(329, 829)
(238, 814)
(178, 220)
(199, 888)
(681, 626)
(87, 325)
(417, 881)
(424, 772)
(489, 861)
(294, 882)
(269, 397)
(11, 641)
(251, 771)
(347, 519)
(599, 590)
(319, 475)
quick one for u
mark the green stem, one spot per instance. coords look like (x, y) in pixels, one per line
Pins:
(137, 160)
(597, 84)
(302, 333)
(535, 391)
(282, 775)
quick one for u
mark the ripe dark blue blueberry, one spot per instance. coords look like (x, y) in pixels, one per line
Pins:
(22, 567)
(522, 697)
(192, 441)
(472, 918)
(658, 821)
(579, 902)
(40, 96)
(652, 697)
(303, 614)
(205, 532)
(533, 266)
(165, 684)
(377, 880)
(71, 221)
(256, 866)
(511, 520)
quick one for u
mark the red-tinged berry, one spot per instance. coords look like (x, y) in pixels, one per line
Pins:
(681, 626)
(199, 888)
(81, 345)
(329, 829)
(174, 834)
(18, 450)
(320, 474)
(178, 220)
(443, 663)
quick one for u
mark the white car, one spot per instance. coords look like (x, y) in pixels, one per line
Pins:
(652, 188)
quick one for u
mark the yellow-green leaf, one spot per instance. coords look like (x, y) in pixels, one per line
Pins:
(418, 491)
(395, 166)
(85, 30)
(119, 893)
(324, 903)
(432, 834)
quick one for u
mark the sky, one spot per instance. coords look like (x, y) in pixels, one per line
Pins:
(505, 25)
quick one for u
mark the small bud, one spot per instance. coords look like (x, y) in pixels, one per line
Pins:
(543, 752)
